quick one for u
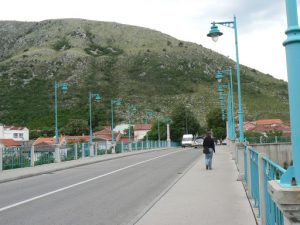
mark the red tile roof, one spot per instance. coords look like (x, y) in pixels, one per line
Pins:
(77, 139)
(47, 140)
(9, 143)
(13, 128)
(142, 126)
(269, 122)
(105, 131)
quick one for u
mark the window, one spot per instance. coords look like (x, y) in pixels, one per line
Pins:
(15, 135)
(21, 135)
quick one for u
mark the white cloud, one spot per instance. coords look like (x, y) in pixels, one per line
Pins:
(261, 24)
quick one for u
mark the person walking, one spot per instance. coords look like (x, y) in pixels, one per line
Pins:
(208, 150)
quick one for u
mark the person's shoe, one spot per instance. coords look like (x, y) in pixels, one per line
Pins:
(207, 167)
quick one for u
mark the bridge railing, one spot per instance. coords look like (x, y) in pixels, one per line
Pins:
(258, 169)
(19, 157)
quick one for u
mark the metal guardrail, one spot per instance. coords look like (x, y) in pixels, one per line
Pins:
(254, 177)
(269, 171)
(19, 157)
(272, 171)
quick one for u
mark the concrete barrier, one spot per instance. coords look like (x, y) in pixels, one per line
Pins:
(280, 153)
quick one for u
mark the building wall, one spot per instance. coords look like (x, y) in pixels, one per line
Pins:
(17, 135)
(140, 134)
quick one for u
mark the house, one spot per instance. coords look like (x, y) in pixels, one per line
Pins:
(104, 134)
(15, 133)
(263, 126)
(140, 131)
(9, 143)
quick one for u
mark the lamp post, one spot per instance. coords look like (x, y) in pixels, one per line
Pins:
(97, 99)
(214, 33)
(292, 48)
(230, 101)
(64, 87)
(131, 109)
(113, 102)
(149, 114)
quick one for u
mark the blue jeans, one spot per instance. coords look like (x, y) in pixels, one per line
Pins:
(208, 158)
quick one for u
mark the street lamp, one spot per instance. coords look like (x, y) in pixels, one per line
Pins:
(97, 99)
(149, 114)
(292, 48)
(116, 102)
(64, 87)
(131, 109)
(230, 101)
(214, 33)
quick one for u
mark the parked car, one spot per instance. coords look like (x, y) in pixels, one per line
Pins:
(198, 142)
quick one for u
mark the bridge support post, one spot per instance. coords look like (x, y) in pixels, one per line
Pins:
(261, 177)
(168, 136)
(249, 171)
(91, 148)
(239, 148)
(288, 201)
(76, 149)
(57, 154)
(32, 156)
(1, 158)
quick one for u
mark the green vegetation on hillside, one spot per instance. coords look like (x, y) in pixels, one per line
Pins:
(144, 67)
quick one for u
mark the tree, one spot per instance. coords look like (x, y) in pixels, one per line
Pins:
(76, 127)
(216, 124)
(153, 134)
(184, 121)
(253, 134)
(274, 133)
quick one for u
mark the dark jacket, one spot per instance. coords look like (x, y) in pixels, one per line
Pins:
(209, 142)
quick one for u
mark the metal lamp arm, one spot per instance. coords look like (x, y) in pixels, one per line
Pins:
(229, 24)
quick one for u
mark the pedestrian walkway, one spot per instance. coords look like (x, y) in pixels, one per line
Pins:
(204, 197)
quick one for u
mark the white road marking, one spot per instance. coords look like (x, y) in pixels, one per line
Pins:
(82, 182)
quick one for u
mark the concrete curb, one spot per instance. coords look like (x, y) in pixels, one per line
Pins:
(21, 173)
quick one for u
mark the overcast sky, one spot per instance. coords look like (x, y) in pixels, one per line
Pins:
(261, 23)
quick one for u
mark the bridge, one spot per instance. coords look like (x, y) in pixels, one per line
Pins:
(165, 185)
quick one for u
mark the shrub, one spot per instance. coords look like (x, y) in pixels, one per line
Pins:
(61, 45)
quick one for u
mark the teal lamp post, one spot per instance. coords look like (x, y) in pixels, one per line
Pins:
(214, 33)
(149, 114)
(97, 99)
(113, 102)
(292, 48)
(131, 109)
(230, 101)
(64, 87)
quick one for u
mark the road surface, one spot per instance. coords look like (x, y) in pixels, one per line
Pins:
(114, 192)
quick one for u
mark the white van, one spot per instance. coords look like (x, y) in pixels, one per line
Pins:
(187, 140)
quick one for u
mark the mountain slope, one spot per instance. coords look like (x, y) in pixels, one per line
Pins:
(144, 67)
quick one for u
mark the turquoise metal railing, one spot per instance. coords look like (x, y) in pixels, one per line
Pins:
(68, 152)
(245, 163)
(254, 177)
(20, 157)
(272, 172)
(16, 157)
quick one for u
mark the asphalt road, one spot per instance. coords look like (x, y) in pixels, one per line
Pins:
(114, 192)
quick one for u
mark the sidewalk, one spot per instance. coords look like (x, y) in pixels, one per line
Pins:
(14, 174)
(204, 197)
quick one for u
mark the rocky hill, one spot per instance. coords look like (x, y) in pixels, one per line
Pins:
(144, 67)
